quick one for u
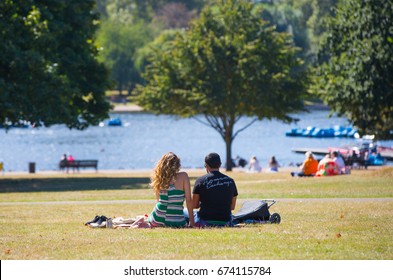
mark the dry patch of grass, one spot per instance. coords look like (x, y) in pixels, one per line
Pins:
(328, 229)
(342, 217)
(134, 185)
(384, 172)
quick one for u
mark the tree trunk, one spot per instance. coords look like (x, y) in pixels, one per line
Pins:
(224, 126)
(228, 145)
(120, 88)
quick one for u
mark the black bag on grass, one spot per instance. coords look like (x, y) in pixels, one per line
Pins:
(255, 212)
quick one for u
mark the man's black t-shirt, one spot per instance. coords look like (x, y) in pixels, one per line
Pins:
(216, 191)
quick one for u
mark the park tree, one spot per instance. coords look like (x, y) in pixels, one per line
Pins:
(357, 79)
(304, 19)
(142, 10)
(320, 12)
(48, 68)
(229, 64)
(129, 25)
(162, 42)
(119, 42)
(174, 15)
(288, 18)
(129, 11)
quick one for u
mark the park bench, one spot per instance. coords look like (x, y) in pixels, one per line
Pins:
(76, 164)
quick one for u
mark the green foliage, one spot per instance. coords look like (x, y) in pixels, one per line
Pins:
(305, 20)
(130, 25)
(161, 43)
(357, 80)
(134, 11)
(288, 18)
(118, 43)
(48, 68)
(174, 15)
(322, 11)
(229, 64)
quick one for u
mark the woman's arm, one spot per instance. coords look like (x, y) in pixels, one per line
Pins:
(303, 166)
(187, 192)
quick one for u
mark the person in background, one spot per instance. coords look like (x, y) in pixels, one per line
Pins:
(70, 160)
(63, 162)
(254, 165)
(171, 188)
(327, 167)
(273, 164)
(214, 194)
(323, 161)
(308, 168)
(241, 162)
(63, 158)
(337, 158)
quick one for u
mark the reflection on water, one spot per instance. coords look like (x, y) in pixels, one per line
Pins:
(143, 138)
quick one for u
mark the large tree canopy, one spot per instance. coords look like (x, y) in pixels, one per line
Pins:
(48, 68)
(118, 43)
(229, 64)
(129, 25)
(286, 18)
(357, 80)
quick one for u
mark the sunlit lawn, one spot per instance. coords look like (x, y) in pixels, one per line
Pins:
(345, 217)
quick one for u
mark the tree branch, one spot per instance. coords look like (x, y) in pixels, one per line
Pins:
(202, 122)
(215, 123)
(212, 122)
(243, 128)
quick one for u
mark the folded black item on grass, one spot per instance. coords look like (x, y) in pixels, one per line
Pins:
(256, 212)
(97, 220)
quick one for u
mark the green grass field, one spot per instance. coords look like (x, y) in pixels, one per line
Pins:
(344, 217)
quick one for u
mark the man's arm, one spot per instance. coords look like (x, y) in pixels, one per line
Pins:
(233, 204)
(195, 201)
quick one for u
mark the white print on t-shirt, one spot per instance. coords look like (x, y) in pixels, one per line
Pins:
(217, 182)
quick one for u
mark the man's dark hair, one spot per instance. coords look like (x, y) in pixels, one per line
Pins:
(213, 160)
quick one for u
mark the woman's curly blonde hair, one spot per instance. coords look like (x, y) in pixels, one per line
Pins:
(164, 172)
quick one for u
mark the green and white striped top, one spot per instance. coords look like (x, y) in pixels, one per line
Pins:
(169, 209)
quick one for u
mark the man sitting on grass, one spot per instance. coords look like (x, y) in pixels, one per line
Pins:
(214, 194)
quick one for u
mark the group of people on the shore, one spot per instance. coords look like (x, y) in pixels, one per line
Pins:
(65, 162)
(214, 194)
(332, 164)
(254, 165)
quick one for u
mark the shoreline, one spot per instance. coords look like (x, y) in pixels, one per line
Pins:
(144, 172)
(125, 109)
(126, 172)
(133, 108)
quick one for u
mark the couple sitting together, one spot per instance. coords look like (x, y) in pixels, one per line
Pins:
(214, 194)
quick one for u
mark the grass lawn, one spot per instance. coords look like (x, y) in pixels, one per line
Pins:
(345, 217)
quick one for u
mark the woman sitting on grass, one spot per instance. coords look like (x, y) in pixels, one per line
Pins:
(171, 188)
(273, 164)
(308, 168)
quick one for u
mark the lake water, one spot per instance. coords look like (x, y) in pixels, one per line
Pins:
(143, 138)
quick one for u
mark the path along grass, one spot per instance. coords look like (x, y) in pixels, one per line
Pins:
(344, 217)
